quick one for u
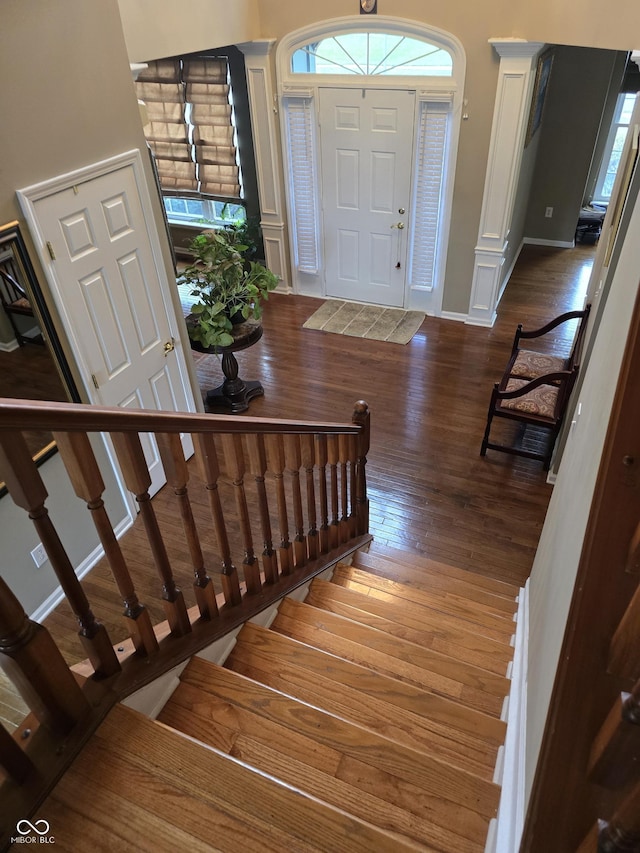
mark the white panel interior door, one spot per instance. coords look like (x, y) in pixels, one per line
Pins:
(113, 300)
(366, 152)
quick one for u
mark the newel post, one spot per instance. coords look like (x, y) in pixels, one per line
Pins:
(361, 417)
(34, 664)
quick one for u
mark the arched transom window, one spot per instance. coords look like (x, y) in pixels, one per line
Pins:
(372, 54)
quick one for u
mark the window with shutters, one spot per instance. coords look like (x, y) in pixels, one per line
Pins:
(191, 132)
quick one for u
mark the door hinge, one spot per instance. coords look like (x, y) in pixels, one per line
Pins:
(51, 251)
(95, 381)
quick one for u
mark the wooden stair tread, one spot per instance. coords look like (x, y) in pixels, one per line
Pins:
(391, 656)
(408, 559)
(437, 778)
(359, 687)
(435, 739)
(13, 708)
(169, 793)
(272, 748)
(436, 599)
(418, 602)
(433, 578)
(426, 631)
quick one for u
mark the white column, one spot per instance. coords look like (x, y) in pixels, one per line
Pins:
(263, 109)
(510, 117)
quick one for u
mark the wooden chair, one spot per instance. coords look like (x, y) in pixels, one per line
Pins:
(530, 364)
(541, 402)
(15, 301)
(536, 386)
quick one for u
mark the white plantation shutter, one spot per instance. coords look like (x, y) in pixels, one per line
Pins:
(303, 182)
(432, 142)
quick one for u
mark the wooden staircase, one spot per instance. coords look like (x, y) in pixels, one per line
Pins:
(367, 717)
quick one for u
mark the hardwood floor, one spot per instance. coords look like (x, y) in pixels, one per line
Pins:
(430, 491)
(29, 372)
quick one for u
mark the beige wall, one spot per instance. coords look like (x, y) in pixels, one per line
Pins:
(157, 28)
(614, 25)
(68, 101)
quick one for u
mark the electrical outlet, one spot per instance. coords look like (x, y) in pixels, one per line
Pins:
(548, 212)
(39, 555)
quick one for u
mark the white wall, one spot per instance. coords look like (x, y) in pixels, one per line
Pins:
(556, 563)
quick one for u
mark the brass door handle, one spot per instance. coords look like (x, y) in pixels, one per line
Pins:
(398, 225)
(169, 347)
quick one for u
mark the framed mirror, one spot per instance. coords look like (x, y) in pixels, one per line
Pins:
(32, 362)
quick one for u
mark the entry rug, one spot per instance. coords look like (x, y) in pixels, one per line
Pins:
(366, 321)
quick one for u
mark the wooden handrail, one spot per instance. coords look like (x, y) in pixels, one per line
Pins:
(78, 417)
(244, 457)
(258, 462)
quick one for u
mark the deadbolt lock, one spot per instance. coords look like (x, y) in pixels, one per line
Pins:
(401, 210)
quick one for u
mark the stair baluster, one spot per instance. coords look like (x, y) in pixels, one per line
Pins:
(86, 479)
(321, 462)
(353, 455)
(293, 461)
(361, 416)
(308, 461)
(137, 479)
(258, 468)
(622, 833)
(343, 457)
(275, 461)
(616, 748)
(15, 762)
(234, 458)
(209, 467)
(332, 459)
(28, 653)
(177, 472)
(19, 472)
(624, 653)
(35, 666)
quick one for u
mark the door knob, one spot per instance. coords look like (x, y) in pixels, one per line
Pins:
(398, 225)
(169, 347)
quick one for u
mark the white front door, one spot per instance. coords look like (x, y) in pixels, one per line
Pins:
(112, 296)
(366, 149)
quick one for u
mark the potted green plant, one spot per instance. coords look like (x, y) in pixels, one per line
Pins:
(226, 291)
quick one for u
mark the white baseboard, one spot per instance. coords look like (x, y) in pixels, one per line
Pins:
(85, 566)
(10, 346)
(505, 834)
(454, 315)
(486, 324)
(558, 244)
